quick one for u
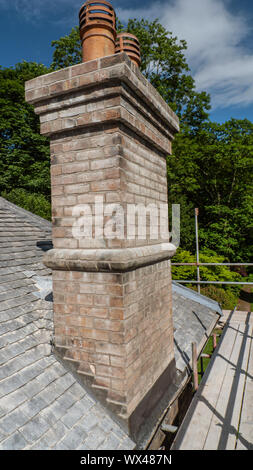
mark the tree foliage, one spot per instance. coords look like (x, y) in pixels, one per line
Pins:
(212, 171)
(36, 203)
(225, 294)
(24, 153)
(67, 50)
(207, 273)
(164, 65)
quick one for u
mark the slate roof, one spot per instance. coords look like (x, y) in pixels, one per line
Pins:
(42, 405)
(194, 317)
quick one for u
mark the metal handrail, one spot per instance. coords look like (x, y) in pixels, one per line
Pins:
(213, 282)
(211, 264)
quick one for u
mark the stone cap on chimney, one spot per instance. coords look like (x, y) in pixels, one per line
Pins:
(108, 260)
(43, 91)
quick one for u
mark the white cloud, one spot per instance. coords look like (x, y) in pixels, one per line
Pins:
(220, 63)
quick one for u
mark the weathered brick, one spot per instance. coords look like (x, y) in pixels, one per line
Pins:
(100, 335)
(76, 188)
(96, 312)
(82, 69)
(112, 325)
(75, 167)
(87, 80)
(109, 185)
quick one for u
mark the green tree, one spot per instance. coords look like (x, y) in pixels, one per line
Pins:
(207, 273)
(33, 202)
(226, 294)
(67, 50)
(212, 171)
(24, 153)
(165, 66)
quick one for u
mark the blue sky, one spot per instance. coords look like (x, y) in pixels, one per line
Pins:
(219, 34)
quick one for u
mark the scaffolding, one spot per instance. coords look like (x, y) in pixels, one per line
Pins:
(198, 264)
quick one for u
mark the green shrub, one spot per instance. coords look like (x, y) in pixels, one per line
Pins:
(226, 295)
(226, 298)
(36, 203)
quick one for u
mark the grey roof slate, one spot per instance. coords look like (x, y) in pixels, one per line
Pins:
(194, 317)
(198, 298)
(42, 405)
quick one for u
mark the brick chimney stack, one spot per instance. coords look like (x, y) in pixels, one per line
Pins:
(110, 132)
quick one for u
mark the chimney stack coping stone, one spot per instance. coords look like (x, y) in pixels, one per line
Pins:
(81, 76)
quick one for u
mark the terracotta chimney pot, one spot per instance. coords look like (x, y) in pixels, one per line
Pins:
(129, 43)
(97, 29)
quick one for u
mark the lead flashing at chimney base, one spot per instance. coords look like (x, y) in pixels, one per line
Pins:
(110, 132)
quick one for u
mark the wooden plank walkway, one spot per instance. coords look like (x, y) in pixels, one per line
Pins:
(220, 416)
